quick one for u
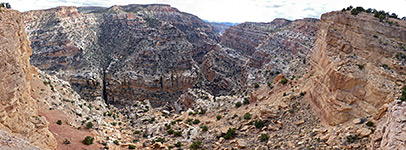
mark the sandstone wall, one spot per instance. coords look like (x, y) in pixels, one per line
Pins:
(18, 111)
(354, 66)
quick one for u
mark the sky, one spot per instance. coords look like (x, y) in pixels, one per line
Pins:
(235, 11)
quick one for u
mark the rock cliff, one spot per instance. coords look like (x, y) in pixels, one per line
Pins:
(355, 67)
(121, 53)
(18, 110)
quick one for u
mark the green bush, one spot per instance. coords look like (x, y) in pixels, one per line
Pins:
(369, 124)
(59, 122)
(131, 146)
(159, 139)
(264, 137)
(203, 111)
(205, 128)
(247, 116)
(137, 132)
(196, 121)
(218, 117)
(403, 96)
(170, 131)
(259, 124)
(196, 145)
(178, 144)
(66, 141)
(284, 81)
(116, 142)
(230, 134)
(246, 101)
(238, 104)
(177, 133)
(89, 125)
(88, 140)
(360, 66)
(256, 85)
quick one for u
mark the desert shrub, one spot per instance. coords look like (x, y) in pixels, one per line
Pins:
(246, 101)
(137, 132)
(403, 96)
(170, 131)
(369, 124)
(230, 134)
(259, 124)
(89, 125)
(238, 104)
(205, 128)
(178, 144)
(159, 139)
(218, 117)
(88, 140)
(196, 121)
(247, 116)
(116, 142)
(263, 137)
(284, 81)
(203, 111)
(59, 122)
(66, 141)
(360, 66)
(256, 85)
(196, 145)
(177, 133)
(131, 146)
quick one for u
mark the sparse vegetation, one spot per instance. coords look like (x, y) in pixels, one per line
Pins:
(256, 85)
(246, 101)
(369, 124)
(259, 124)
(230, 134)
(88, 140)
(361, 67)
(403, 96)
(89, 125)
(385, 66)
(131, 146)
(66, 141)
(196, 121)
(59, 122)
(218, 117)
(178, 144)
(196, 145)
(238, 104)
(116, 142)
(247, 116)
(264, 137)
(205, 128)
(284, 81)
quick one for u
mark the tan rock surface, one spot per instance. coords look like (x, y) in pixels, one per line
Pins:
(347, 78)
(18, 111)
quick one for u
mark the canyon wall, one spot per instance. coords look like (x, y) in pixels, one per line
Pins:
(355, 67)
(18, 110)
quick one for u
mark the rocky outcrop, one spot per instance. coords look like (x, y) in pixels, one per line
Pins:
(355, 70)
(18, 111)
(389, 133)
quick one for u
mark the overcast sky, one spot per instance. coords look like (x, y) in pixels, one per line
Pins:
(233, 10)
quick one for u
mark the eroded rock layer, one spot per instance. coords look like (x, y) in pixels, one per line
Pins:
(355, 70)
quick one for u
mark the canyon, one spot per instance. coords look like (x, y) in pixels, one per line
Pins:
(151, 77)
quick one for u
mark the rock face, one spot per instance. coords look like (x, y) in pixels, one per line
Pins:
(18, 111)
(121, 53)
(156, 52)
(355, 70)
(256, 52)
(390, 130)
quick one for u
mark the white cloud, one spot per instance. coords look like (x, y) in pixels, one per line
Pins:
(233, 10)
